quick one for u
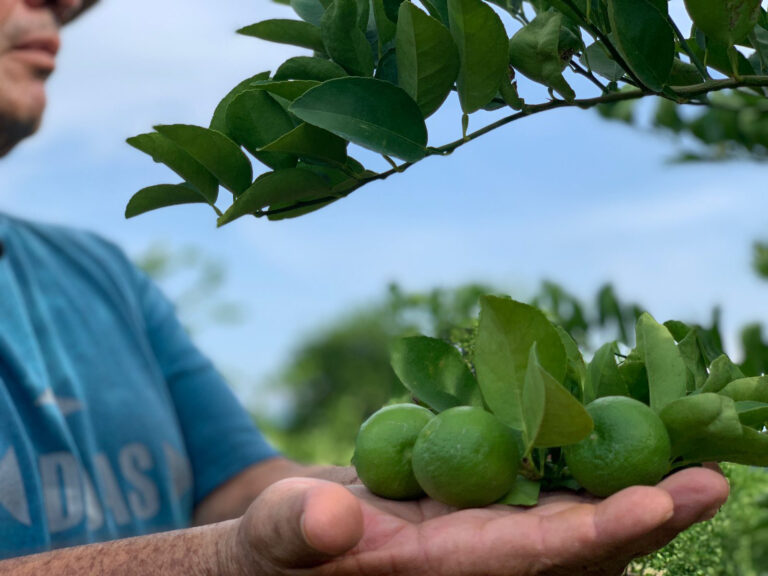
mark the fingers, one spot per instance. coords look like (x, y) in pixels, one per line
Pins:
(298, 523)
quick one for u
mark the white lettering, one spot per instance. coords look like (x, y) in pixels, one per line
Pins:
(144, 499)
(113, 498)
(64, 501)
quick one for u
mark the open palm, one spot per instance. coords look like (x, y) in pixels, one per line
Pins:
(338, 531)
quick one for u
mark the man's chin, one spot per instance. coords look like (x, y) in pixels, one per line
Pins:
(14, 131)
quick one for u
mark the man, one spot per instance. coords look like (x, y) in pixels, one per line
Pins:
(114, 428)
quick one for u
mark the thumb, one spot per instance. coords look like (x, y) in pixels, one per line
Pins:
(302, 522)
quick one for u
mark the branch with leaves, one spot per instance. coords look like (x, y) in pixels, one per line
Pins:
(380, 68)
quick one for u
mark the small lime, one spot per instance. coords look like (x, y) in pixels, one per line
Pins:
(383, 450)
(629, 445)
(466, 457)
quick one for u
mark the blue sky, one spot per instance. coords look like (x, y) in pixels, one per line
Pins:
(563, 196)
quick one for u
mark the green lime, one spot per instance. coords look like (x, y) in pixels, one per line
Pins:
(383, 450)
(466, 457)
(628, 446)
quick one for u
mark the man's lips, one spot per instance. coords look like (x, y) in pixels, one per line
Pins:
(39, 51)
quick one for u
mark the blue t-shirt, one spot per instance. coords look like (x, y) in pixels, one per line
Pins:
(112, 423)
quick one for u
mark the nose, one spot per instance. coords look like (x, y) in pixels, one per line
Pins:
(62, 8)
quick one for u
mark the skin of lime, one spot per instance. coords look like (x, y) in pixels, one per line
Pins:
(628, 446)
(383, 449)
(465, 457)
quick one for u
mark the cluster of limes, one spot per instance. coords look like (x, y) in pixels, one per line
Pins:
(466, 457)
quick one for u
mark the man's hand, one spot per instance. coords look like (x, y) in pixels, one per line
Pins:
(304, 523)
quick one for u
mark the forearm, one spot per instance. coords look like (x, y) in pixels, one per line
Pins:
(204, 551)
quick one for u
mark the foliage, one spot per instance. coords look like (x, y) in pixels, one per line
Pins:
(379, 68)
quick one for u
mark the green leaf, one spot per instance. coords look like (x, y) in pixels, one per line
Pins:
(635, 376)
(506, 332)
(644, 38)
(372, 113)
(255, 119)
(724, 21)
(385, 24)
(483, 48)
(524, 492)
(293, 32)
(387, 68)
(752, 414)
(163, 150)
(753, 389)
(310, 142)
(603, 374)
(288, 90)
(220, 155)
(344, 41)
(309, 10)
(721, 372)
(683, 74)
(219, 120)
(281, 187)
(427, 59)
(551, 415)
(435, 373)
(663, 362)
(309, 68)
(706, 428)
(694, 360)
(534, 51)
(576, 370)
(598, 59)
(161, 196)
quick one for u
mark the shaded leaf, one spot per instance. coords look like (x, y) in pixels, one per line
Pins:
(483, 52)
(163, 150)
(744, 389)
(309, 10)
(434, 372)
(644, 38)
(344, 41)
(721, 372)
(603, 375)
(219, 120)
(293, 32)
(598, 59)
(372, 113)
(288, 90)
(311, 142)
(220, 155)
(507, 330)
(283, 186)
(524, 492)
(309, 68)
(724, 21)
(255, 119)
(162, 195)
(427, 59)
(752, 414)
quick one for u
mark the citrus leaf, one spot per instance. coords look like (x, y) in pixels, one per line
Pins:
(693, 359)
(220, 155)
(369, 112)
(576, 369)
(287, 89)
(663, 362)
(743, 389)
(427, 59)
(597, 59)
(706, 428)
(386, 24)
(309, 68)
(254, 119)
(219, 120)
(534, 51)
(483, 49)
(344, 41)
(506, 332)
(310, 142)
(644, 38)
(752, 414)
(309, 10)
(293, 32)
(280, 187)
(721, 372)
(162, 195)
(603, 376)
(434, 372)
(524, 493)
(724, 21)
(551, 415)
(163, 150)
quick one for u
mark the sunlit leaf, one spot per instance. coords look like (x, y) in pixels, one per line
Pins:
(293, 32)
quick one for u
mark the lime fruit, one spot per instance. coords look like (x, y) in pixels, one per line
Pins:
(383, 450)
(629, 445)
(465, 457)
